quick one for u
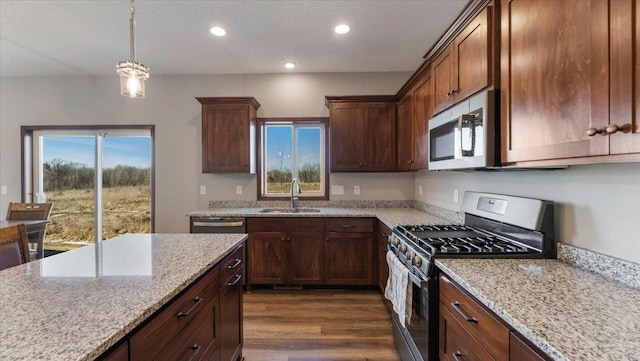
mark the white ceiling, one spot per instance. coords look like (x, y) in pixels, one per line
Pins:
(89, 37)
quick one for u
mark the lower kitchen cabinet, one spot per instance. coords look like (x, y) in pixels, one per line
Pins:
(469, 331)
(285, 251)
(383, 234)
(311, 251)
(231, 318)
(349, 252)
(120, 353)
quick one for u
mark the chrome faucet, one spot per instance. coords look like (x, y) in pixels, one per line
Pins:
(294, 199)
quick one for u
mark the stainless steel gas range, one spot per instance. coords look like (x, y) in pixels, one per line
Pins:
(494, 226)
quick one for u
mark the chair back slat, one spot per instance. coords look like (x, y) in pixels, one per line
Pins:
(14, 249)
(29, 211)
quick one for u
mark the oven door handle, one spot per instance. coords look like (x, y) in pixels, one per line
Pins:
(418, 281)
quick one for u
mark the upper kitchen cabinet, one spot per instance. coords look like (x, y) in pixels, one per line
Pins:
(568, 82)
(463, 67)
(414, 111)
(362, 133)
(228, 134)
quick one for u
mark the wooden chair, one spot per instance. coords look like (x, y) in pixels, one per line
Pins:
(30, 212)
(14, 246)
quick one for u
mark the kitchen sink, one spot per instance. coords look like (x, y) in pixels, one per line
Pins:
(289, 210)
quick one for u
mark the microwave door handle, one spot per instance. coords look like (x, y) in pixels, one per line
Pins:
(467, 121)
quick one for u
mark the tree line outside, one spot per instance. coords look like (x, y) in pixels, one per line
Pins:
(61, 175)
(278, 180)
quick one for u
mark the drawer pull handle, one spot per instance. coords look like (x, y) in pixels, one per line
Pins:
(236, 264)
(238, 277)
(457, 355)
(349, 226)
(456, 306)
(196, 301)
(196, 348)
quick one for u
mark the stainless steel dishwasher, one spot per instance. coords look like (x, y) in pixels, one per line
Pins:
(217, 225)
(221, 225)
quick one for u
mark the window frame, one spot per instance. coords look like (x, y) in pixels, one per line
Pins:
(261, 122)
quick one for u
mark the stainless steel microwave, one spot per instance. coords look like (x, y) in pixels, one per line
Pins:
(464, 136)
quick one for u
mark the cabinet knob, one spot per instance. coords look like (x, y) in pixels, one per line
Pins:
(593, 131)
(409, 161)
(366, 164)
(613, 128)
(451, 92)
(361, 164)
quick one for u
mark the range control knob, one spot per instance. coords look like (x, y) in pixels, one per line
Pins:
(403, 248)
(417, 261)
(395, 241)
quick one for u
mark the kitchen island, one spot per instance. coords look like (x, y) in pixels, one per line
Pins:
(569, 313)
(78, 304)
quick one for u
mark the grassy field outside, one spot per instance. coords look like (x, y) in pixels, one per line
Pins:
(276, 187)
(126, 209)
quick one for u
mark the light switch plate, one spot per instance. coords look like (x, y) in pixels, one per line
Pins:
(420, 190)
(455, 195)
(238, 189)
(337, 189)
(4, 190)
(356, 190)
(203, 190)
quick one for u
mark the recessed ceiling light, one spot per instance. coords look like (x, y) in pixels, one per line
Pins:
(342, 29)
(218, 31)
(289, 64)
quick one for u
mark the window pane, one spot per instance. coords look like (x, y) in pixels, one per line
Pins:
(278, 162)
(309, 156)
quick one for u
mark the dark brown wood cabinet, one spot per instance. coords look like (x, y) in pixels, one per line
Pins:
(568, 96)
(230, 315)
(463, 68)
(285, 251)
(228, 134)
(362, 135)
(469, 331)
(349, 248)
(119, 353)
(413, 114)
(383, 233)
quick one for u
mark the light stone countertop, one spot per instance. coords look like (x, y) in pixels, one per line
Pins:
(77, 304)
(569, 313)
(389, 216)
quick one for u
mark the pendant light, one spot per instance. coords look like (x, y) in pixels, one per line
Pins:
(132, 73)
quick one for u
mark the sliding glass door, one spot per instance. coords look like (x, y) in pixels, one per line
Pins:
(100, 182)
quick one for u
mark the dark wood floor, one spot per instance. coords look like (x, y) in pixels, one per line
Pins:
(317, 326)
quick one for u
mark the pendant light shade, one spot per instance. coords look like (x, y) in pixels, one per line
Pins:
(132, 73)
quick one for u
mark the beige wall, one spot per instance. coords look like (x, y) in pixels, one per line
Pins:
(598, 206)
(170, 105)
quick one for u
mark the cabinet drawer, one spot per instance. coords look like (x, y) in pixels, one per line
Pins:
(285, 224)
(231, 264)
(164, 326)
(456, 343)
(195, 339)
(484, 327)
(348, 225)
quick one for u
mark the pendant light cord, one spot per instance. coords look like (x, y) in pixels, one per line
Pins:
(132, 27)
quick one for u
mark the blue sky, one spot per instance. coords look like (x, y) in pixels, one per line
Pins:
(279, 140)
(132, 151)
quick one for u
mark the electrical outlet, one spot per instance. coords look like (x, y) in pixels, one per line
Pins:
(4, 190)
(420, 190)
(455, 195)
(337, 189)
(238, 189)
(203, 190)
(356, 190)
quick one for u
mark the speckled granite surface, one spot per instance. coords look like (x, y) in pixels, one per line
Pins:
(389, 216)
(75, 305)
(568, 312)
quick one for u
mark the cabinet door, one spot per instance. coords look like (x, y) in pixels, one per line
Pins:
(625, 89)
(555, 78)
(267, 253)
(380, 137)
(349, 259)
(404, 129)
(442, 79)
(422, 112)
(346, 126)
(456, 343)
(226, 138)
(383, 268)
(471, 57)
(231, 319)
(306, 258)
